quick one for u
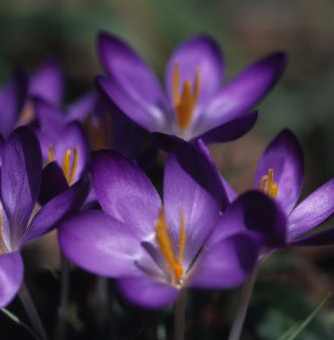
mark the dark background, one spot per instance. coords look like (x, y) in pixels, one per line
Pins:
(293, 282)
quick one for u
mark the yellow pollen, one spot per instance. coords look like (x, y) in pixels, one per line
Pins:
(184, 100)
(268, 184)
(173, 262)
(70, 164)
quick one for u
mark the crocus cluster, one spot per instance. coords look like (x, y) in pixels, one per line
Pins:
(81, 168)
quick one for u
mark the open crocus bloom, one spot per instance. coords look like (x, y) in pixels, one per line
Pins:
(157, 248)
(196, 104)
(280, 174)
(15, 96)
(62, 142)
(21, 218)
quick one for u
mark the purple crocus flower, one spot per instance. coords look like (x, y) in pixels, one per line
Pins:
(21, 218)
(47, 84)
(91, 110)
(153, 248)
(15, 96)
(196, 104)
(279, 174)
(61, 141)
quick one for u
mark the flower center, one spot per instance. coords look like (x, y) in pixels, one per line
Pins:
(173, 261)
(268, 184)
(69, 164)
(185, 99)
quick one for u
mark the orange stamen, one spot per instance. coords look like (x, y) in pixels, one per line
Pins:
(268, 184)
(176, 85)
(184, 102)
(70, 164)
(174, 263)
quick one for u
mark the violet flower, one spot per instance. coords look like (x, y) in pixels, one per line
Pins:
(196, 104)
(15, 96)
(91, 110)
(155, 249)
(22, 219)
(47, 83)
(279, 174)
(65, 143)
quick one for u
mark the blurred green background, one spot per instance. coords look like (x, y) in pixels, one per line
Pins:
(293, 282)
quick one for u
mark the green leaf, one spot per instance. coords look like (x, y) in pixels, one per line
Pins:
(296, 329)
(14, 318)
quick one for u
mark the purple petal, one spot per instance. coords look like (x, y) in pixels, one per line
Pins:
(185, 199)
(129, 71)
(230, 192)
(227, 263)
(11, 276)
(56, 209)
(148, 293)
(51, 123)
(255, 212)
(100, 244)
(147, 115)
(48, 83)
(312, 211)
(12, 99)
(50, 117)
(200, 55)
(125, 193)
(120, 60)
(73, 139)
(243, 93)
(231, 130)
(82, 107)
(285, 157)
(195, 159)
(53, 182)
(20, 178)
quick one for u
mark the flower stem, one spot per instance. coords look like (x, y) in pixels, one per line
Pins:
(180, 316)
(102, 301)
(246, 294)
(64, 297)
(31, 311)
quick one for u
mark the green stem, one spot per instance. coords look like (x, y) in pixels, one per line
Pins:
(180, 316)
(31, 311)
(102, 301)
(246, 294)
